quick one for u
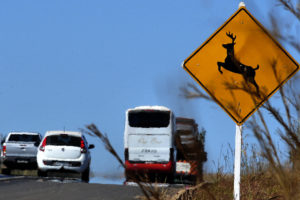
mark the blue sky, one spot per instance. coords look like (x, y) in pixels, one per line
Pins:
(66, 64)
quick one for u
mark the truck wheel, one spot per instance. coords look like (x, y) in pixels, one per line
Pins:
(42, 173)
(170, 178)
(85, 175)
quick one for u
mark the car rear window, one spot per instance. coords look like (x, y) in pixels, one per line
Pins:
(63, 140)
(23, 138)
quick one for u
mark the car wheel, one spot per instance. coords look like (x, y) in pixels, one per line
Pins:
(85, 175)
(42, 173)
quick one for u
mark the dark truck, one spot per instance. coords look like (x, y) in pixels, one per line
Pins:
(19, 150)
(191, 155)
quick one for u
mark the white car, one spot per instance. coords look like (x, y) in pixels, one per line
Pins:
(64, 150)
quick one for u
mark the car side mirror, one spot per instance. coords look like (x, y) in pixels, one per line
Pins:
(91, 146)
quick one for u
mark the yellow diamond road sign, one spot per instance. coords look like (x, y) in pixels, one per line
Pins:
(241, 65)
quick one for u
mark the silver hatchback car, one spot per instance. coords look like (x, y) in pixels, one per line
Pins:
(66, 151)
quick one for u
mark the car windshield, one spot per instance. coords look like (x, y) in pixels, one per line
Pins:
(149, 119)
(23, 138)
(63, 140)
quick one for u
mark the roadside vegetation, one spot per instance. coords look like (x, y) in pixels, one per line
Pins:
(267, 171)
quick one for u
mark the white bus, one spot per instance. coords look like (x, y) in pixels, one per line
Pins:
(149, 143)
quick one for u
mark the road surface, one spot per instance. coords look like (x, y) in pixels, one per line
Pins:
(26, 188)
(35, 188)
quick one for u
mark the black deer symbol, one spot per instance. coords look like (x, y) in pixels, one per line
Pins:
(233, 65)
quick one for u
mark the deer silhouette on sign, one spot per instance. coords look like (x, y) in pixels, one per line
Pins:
(235, 66)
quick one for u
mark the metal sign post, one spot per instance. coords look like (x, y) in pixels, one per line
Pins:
(237, 162)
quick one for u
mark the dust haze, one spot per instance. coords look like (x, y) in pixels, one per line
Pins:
(168, 93)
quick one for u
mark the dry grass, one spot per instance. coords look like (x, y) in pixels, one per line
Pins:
(256, 184)
(253, 187)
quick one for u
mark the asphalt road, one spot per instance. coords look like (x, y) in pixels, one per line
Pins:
(26, 188)
(35, 188)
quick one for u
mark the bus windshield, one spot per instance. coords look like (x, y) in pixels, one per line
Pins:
(149, 119)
